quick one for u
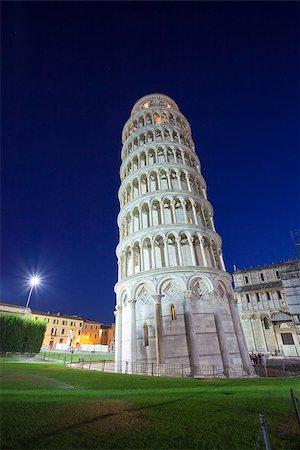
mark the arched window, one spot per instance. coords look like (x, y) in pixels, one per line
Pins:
(262, 276)
(266, 323)
(173, 314)
(146, 335)
(246, 279)
(277, 274)
(279, 295)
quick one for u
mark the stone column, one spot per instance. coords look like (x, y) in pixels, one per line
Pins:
(222, 262)
(191, 337)
(119, 267)
(218, 315)
(173, 211)
(184, 212)
(195, 213)
(158, 328)
(253, 333)
(188, 182)
(179, 181)
(239, 334)
(192, 250)
(179, 250)
(142, 258)
(166, 252)
(132, 260)
(203, 251)
(162, 213)
(118, 339)
(131, 304)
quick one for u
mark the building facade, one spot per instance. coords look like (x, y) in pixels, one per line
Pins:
(22, 311)
(175, 303)
(290, 277)
(265, 315)
(62, 332)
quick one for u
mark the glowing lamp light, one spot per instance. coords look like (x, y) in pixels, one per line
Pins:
(34, 281)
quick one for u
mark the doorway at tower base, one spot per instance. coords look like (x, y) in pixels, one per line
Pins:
(182, 370)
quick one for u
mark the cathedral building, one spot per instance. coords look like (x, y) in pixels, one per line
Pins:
(262, 296)
(175, 304)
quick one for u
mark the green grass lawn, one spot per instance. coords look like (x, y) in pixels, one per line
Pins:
(74, 357)
(46, 405)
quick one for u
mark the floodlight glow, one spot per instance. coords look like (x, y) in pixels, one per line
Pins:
(34, 281)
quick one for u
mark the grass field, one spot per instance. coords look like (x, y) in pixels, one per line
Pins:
(46, 405)
(74, 357)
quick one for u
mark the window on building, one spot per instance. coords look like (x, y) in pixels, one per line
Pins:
(266, 323)
(146, 335)
(248, 298)
(90, 335)
(80, 324)
(262, 276)
(53, 331)
(257, 297)
(79, 332)
(287, 338)
(246, 279)
(61, 340)
(64, 322)
(95, 335)
(91, 327)
(277, 274)
(63, 331)
(173, 313)
(268, 295)
(279, 295)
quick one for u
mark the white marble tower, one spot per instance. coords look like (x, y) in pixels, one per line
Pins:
(175, 304)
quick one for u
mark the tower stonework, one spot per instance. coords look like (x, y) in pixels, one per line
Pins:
(175, 303)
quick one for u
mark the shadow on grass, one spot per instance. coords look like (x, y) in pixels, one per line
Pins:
(75, 426)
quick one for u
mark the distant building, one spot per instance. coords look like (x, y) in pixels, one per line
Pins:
(107, 335)
(62, 332)
(6, 308)
(265, 314)
(91, 333)
(290, 277)
(67, 331)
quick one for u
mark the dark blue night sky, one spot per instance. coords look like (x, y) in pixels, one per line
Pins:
(71, 73)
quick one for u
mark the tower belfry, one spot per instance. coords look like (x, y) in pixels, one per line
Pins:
(175, 302)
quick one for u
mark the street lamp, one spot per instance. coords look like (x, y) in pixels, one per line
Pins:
(33, 281)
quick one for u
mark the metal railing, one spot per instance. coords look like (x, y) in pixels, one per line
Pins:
(167, 370)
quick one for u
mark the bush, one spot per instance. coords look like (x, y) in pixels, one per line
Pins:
(20, 335)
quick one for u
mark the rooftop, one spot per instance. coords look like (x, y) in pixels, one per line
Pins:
(267, 266)
(258, 287)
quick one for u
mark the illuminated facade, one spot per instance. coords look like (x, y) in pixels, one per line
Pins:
(64, 331)
(174, 297)
(262, 294)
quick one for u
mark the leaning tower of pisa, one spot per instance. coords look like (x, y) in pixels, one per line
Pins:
(175, 305)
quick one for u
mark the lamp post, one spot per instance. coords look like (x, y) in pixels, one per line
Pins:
(33, 281)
